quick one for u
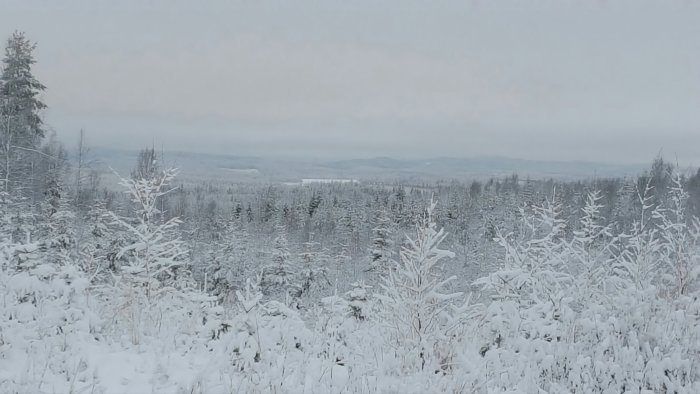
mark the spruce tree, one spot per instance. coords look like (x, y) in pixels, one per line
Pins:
(21, 127)
(382, 247)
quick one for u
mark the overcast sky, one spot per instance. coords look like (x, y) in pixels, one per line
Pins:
(613, 81)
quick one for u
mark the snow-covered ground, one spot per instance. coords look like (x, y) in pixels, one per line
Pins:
(563, 315)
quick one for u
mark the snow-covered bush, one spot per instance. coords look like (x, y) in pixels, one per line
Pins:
(359, 300)
(47, 328)
(591, 313)
(262, 345)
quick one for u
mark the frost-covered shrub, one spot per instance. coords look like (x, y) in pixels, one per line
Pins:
(47, 328)
(592, 313)
(262, 344)
(359, 301)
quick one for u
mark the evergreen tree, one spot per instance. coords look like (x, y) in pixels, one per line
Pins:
(21, 127)
(311, 268)
(156, 251)
(413, 300)
(382, 252)
(693, 188)
(94, 246)
(278, 274)
(359, 301)
(147, 166)
(228, 263)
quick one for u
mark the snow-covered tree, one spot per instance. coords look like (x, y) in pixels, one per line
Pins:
(311, 270)
(342, 242)
(680, 237)
(21, 127)
(530, 294)
(227, 263)
(534, 266)
(156, 253)
(147, 166)
(638, 264)
(93, 248)
(591, 251)
(414, 301)
(382, 248)
(359, 300)
(278, 274)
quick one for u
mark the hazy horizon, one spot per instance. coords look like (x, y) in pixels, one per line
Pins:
(613, 82)
(98, 150)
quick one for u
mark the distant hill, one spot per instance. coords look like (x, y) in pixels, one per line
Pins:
(201, 166)
(485, 167)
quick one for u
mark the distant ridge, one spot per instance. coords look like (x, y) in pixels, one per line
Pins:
(254, 168)
(492, 166)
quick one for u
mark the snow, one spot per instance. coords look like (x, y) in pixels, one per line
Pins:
(588, 311)
(325, 181)
(242, 171)
(308, 181)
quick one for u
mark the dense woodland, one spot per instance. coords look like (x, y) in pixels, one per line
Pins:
(510, 285)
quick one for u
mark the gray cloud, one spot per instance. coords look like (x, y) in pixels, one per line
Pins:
(614, 81)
